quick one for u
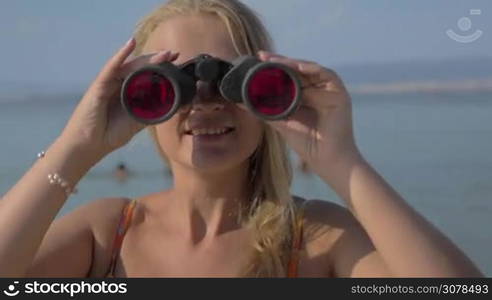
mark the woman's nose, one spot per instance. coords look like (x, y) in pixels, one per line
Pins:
(207, 97)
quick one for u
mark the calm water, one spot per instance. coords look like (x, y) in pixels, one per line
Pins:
(434, 149)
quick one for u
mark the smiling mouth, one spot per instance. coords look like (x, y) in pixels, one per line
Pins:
(210, 132)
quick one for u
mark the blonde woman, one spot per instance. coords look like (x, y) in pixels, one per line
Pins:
(229, 212)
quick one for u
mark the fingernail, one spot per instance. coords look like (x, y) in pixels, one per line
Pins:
(163, 52)
(129, 42)
(263, 53)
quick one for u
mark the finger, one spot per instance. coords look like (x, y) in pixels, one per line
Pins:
(322, 99)
(321, 87)
(266, 55)
(303, 66)
(136, 127)
(174, 56)
(136, 62)
(112, 66)
(141, 61)
(297, 125)
(305, 79)
(161, 57)
(242, 106)
(320, 75)
(312, 74)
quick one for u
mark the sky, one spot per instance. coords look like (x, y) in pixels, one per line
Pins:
(65, 43)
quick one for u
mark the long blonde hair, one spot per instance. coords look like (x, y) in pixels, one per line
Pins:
(271, 210)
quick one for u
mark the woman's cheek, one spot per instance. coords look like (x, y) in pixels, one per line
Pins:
(169, 139)
(253, 132)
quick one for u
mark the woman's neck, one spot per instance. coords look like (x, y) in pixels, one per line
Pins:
(208, 203)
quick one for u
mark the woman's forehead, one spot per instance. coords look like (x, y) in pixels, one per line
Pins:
(192, 35)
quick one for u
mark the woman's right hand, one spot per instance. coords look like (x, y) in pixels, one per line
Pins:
(99, 124)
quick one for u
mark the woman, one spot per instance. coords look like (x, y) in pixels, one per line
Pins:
(229, 212)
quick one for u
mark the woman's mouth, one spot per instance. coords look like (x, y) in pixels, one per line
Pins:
(210, 134)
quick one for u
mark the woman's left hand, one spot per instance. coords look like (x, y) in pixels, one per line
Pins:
(321, 130)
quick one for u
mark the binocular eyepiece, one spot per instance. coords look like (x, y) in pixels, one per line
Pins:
(154, 93)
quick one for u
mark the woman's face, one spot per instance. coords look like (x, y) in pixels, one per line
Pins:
(190, 36)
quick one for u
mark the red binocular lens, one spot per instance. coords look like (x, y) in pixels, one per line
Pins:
(270, 91)
(154, 93)
(149, 95)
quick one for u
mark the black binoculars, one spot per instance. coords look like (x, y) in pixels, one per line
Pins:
(154, 93)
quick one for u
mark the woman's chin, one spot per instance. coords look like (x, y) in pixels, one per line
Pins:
(210, 164)
(214, 162)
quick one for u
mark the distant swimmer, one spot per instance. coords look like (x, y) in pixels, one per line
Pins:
(303, 167)
(121, 173)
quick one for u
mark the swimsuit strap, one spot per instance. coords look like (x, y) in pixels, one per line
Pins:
(126, 218)
(123, 225)
(296, 242)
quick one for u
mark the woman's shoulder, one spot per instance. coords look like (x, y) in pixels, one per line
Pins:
(323, 211)
(104, 209)
(86, 233)
(103, 216)
(324, 223)
(333, 232)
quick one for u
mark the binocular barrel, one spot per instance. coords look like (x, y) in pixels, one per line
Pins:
(153, 94)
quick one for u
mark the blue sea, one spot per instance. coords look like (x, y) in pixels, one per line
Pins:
(434, 149)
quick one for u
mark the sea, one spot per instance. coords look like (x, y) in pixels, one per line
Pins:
(434, 149)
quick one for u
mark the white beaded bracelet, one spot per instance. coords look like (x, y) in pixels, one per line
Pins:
(55, 178)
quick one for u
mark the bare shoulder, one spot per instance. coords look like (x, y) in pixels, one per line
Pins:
(333, 233)
(326, 215)
(329, 225)
(103, 210)
(329, 214)
(84, 233)
(98, 214)
(324, 222)
(329, 232)
(103, 216)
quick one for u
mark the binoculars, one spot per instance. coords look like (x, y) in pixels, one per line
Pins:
(154, 93)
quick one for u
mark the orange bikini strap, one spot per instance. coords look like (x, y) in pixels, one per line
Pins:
(123, 225)
(296, 242)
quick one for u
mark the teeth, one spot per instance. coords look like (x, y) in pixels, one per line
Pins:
(209, 131)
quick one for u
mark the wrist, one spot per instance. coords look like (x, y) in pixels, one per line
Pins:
(339, 168)
(86, 153)
(70, 160)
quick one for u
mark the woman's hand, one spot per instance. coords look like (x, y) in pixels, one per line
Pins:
(321, 130)
(99, 124)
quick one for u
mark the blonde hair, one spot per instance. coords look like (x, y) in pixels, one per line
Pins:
(271, 211)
